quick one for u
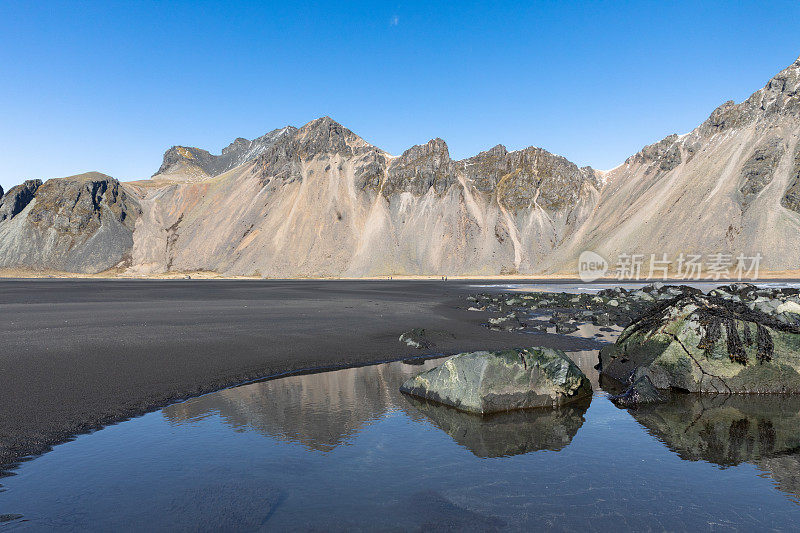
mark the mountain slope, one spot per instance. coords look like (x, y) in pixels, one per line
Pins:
(729, 186)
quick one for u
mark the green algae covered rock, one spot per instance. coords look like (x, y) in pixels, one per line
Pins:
(491, 382)
(710, 343)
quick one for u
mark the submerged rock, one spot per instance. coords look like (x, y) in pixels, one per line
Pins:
(729, 343)
(490, 382)
(641, 392)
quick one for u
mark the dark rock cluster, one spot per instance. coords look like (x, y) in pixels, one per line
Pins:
(662, 156)
(526, 176)
(74, 206)
(82, 223)
(540, 311)
(421, 167)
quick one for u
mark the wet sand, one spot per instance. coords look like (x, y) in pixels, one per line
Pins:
(76, 355)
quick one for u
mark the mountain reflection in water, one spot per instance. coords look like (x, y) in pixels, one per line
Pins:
(324, 410)
(320, 411)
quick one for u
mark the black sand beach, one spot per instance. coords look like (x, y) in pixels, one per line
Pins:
(79, 354)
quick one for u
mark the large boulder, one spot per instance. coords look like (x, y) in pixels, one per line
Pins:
(736, 339)
(490, 382)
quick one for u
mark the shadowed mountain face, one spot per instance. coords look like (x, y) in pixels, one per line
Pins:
(321, 201)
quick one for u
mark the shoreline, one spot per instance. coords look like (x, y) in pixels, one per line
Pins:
(126, 349)
(6, 274)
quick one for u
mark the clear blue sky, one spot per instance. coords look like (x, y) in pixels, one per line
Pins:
(109, 86)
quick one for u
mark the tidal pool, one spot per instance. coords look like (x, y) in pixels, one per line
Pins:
(345, 450)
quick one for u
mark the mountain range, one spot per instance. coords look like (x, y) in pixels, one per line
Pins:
(321, 201)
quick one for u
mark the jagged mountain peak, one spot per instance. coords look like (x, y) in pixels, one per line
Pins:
(324, 122)
(436, 149)
(186, 162)
(779, 97)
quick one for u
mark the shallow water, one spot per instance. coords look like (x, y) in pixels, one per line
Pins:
(597, 286)
(345, 450)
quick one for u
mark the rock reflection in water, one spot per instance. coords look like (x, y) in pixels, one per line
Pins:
(321, 410)
(728, 430)
(506, 434)
(324, 410)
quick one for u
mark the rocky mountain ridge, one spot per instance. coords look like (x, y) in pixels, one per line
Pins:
(321, 201)
(186, 161)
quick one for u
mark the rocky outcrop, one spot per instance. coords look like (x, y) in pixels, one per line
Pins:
(791, 199)
(736, 339)
(659, 157)
(82, 223)
(527, 178)
(491, 382)
(320, 139)
(421, 168)
(781, 96)
(17, 198)
(760, 167)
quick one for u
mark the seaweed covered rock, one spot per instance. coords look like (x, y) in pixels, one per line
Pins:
(490, 382)
(736, 339)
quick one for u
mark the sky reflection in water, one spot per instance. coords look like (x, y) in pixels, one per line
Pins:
(346, 450)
